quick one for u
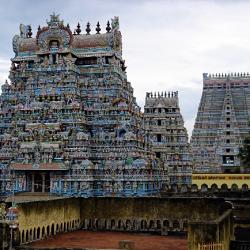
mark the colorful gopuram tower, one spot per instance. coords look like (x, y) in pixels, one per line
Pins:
(70, 124)
(164, 122)
(222, 122)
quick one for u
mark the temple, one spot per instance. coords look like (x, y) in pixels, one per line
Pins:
(222, 122)
(70, 124)
(163, 120)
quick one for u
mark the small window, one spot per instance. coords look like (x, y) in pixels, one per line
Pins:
(159, 110)
(86, 61)
(159, 122)
(227, 141)
(54, 44)
(159, 138)
(228, 113)
(228, 119)
(227, 150)
(228, 133)
(158, 154)
(228, 107)
(54, 58)
(228, 125)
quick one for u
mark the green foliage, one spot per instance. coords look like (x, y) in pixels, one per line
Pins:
(245, 152)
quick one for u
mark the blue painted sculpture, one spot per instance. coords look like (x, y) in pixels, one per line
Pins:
(70, 124)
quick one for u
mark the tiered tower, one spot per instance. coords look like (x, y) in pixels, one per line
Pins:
(69, 122)
(222, 122)
(163, 120)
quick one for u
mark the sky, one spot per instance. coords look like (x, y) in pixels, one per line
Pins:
(167, 44)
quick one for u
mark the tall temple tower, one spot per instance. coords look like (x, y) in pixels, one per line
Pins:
(222, 122)
(164, 122)
(70, 124)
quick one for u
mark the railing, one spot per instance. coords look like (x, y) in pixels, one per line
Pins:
(211, 246)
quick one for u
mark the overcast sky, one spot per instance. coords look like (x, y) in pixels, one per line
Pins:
(167, 45)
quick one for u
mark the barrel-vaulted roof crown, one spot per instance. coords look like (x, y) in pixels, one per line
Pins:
(56, 31)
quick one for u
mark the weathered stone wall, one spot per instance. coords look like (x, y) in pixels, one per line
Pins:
(147, 214)
(42, 218)
(219, 230)
(152, 208)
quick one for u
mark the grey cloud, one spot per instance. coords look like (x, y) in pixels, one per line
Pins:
(167, 45)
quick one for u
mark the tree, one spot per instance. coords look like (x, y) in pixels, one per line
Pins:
(244, 153)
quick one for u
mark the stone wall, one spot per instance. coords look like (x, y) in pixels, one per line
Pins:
(147, 214)
(207, 231)
(40, 219)
(149, 208)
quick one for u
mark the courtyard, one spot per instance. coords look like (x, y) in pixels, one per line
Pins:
(107, 240)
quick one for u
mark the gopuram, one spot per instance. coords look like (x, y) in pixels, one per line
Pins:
(70, 124)
(163, 120)
(222, 122)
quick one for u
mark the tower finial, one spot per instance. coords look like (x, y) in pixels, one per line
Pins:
(29, 34)
(108, 28)
(98, 29)
(78, 30)
(88, 28)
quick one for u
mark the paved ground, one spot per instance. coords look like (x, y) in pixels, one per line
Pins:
(105, 240)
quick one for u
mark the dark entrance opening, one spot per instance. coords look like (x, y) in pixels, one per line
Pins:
(159, 138)
(54, 58)
(38, 182)
(47, 182)
(158, 154)
(228, 159)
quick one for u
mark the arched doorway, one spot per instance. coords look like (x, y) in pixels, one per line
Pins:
(27, 236)
(38, 233)
(52, 231)
(112, 224)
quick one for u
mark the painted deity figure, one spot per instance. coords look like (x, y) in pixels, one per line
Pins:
(115, 23)
(55, 184)
(65, 186)
(84, 186)
(23, 30)
(2, 211)
(26, 158)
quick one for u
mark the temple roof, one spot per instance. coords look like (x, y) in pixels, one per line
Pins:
(92, 41)
(24, 45)
(162, 102)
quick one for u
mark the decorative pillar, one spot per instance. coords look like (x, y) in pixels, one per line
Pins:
(32, 182)
(43, 182)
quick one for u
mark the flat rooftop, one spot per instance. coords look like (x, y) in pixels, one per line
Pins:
(110, 240)
(30, 197)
